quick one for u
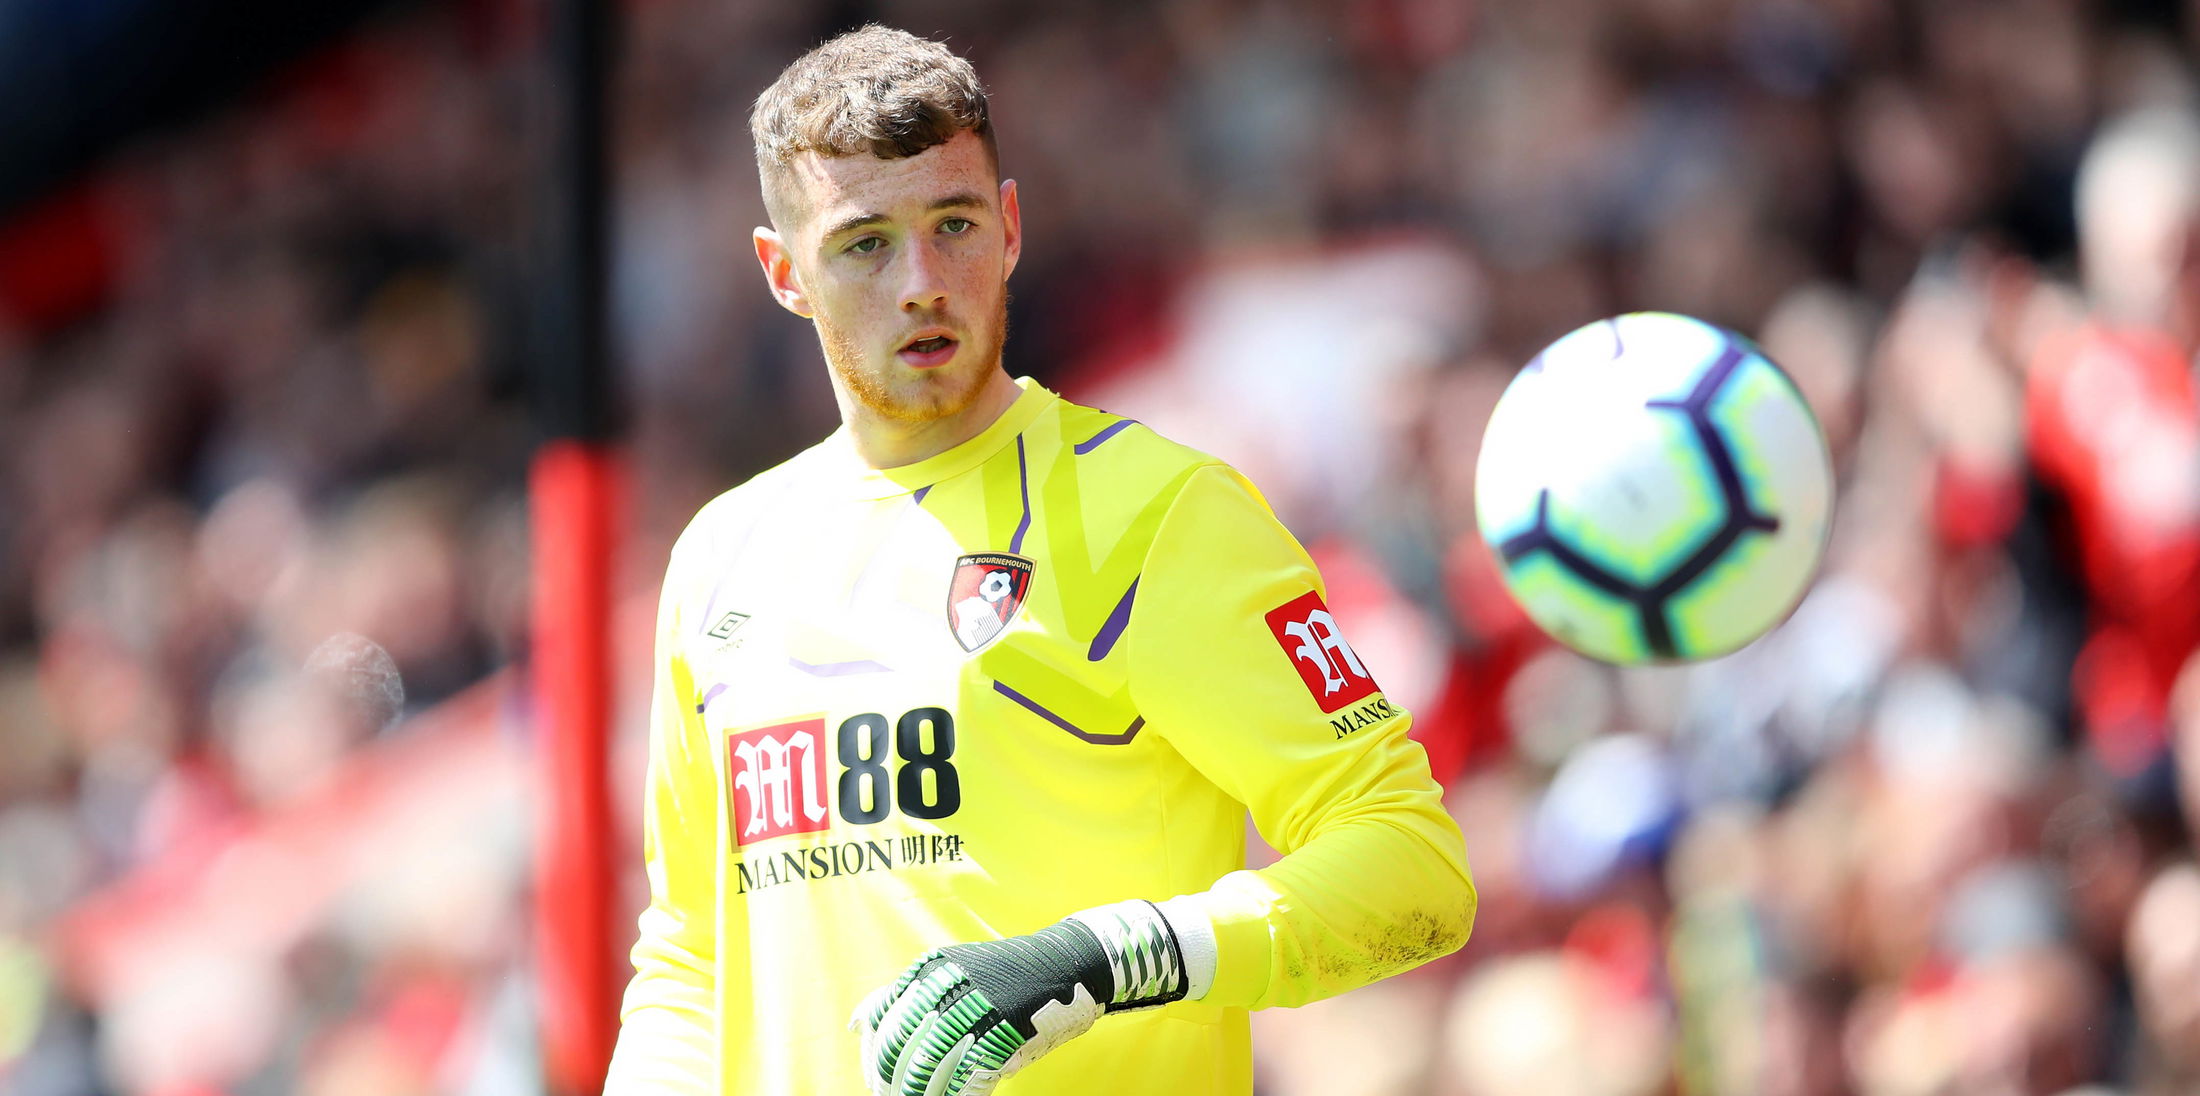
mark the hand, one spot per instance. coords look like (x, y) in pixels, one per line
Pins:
(965, 1016)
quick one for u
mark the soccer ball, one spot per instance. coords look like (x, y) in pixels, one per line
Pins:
(1655, 490)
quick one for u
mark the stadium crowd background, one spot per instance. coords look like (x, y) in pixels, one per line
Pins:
(1935, 836)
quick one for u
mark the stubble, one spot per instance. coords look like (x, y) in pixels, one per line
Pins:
(897, 394)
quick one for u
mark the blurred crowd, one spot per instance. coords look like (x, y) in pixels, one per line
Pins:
(263, 539)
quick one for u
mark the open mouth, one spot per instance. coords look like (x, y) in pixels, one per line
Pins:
(928, 351)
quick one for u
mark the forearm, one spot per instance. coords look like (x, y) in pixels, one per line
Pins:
(1380, 893)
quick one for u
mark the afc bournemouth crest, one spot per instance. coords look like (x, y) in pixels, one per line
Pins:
(984, 595)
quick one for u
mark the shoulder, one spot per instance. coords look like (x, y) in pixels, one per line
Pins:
(1130, 457)
(722, 524)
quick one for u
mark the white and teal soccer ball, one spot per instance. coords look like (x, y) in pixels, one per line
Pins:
(1655, 490)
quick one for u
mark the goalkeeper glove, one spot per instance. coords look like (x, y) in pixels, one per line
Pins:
(963, 1017)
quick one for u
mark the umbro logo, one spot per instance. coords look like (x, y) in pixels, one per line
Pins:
(726, 625)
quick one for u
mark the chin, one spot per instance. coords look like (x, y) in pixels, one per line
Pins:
(906, 395)
(890, 390)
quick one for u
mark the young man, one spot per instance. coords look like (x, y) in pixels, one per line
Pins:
(982, 659)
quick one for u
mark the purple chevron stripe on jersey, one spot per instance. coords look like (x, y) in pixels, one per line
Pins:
(839, 669)
(1112, 629)
(1023, 484)
(710, 695)
(918, 498)
(1093, 442)
(1036, 709)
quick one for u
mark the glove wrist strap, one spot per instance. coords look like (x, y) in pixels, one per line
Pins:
(1195, 941)
(1143, 955)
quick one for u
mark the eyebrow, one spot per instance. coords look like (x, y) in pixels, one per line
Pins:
(959, 200)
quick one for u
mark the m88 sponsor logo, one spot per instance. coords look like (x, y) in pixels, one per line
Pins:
(778, 782)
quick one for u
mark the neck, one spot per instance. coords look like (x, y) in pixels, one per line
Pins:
(890, 443)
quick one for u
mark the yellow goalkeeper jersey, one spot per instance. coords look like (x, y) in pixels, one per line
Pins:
(1046, 670)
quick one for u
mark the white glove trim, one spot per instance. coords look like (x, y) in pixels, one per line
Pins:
(1195, 938)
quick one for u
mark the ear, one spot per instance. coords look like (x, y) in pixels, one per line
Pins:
(779, 273)
(1012, 226)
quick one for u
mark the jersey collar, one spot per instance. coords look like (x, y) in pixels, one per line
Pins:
(879, 483)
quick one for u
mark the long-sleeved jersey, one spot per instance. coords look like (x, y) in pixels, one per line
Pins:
(1048, 669)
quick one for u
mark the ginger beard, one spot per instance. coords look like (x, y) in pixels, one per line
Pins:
(898, 393)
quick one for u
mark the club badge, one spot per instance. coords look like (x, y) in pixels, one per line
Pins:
(984, 595)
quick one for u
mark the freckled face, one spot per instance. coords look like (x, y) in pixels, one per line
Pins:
(904, 265)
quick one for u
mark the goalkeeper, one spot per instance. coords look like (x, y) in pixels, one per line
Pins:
(957, 714)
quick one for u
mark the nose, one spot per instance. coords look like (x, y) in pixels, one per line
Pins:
(924, 281)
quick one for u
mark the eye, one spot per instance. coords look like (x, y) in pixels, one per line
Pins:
(865, 246)
(956, 226)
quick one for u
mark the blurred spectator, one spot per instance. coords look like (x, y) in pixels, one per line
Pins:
(2115, 427)
(2165, 965)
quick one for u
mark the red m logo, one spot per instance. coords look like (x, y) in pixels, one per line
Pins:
(778, 778)
(1307, 633)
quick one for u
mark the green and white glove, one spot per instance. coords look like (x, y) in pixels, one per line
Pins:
(965, 1016)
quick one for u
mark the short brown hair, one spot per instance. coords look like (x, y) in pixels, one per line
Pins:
(877, 90)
